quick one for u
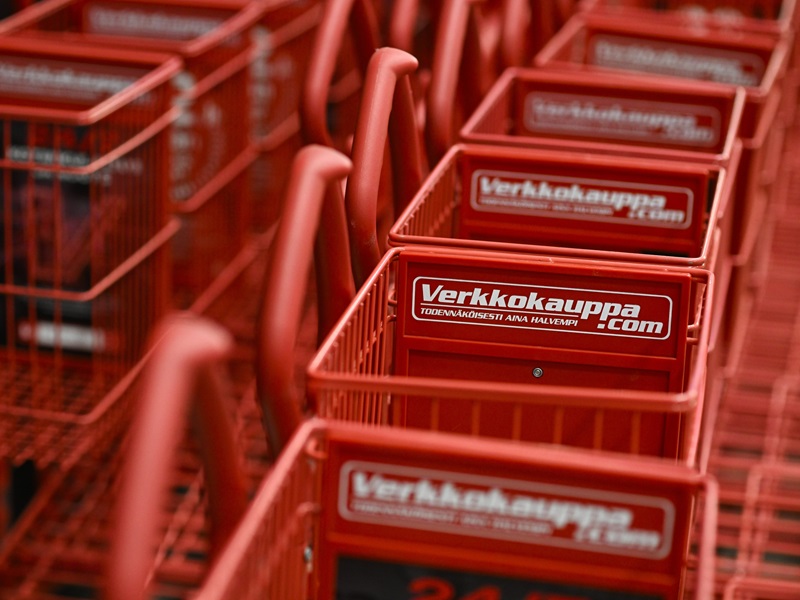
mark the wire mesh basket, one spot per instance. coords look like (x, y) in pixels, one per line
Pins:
(469, 342)
(211, 150)
(86, 231)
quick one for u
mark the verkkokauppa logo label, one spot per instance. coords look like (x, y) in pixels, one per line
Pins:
(106, 18)
(519, 511)
(623, 118)
(671, 58)
(584, 199)
(22, 76)
(514, 305)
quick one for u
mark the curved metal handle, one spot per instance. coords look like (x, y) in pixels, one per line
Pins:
(514, 42)
(181, 369)
(402, 23)
(314, 170)
(336, 17)
(382, 84)
(526, 28)
(451, 47)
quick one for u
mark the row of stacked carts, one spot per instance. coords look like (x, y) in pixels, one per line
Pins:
(366, 299)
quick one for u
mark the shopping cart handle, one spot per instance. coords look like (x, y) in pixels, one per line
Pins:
(181, 368)
(386, 90)
(322, 64)
(314, 169)
(403, 22)
(451, 45)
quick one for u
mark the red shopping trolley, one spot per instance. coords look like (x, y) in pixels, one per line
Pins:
(487, 344)
(624, 116)
(778, 19)
(354, 512)
(757, 423)
(574, 204)
(85, 235)
(756, 62)
(135, 515)
(210, 149)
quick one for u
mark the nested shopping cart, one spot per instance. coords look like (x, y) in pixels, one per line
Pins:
(85, 237)
(766, 561)
(623, 116)
(759, 63)
(778, 18)
(754, 451)
(135, 514)
(348, 31)
(608, 356)
(354, 512)
(60, 545)
(576, 204)
(211, 151)
(769, 546)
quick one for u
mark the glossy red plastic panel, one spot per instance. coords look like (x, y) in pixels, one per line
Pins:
(609, 113)
(210, 147)
(581, 325)
(393, 508)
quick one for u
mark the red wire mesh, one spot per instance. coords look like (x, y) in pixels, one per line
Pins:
(354, 377)
(757, 421)
(85, 235)
(210, 143)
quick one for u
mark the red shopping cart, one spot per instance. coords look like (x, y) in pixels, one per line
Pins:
(288, 331)
(486, 343)
(756, 62)
(464, 65)
(85, 235)
(350, 512)
(135, 515)
(777, 17)
(210, 149)
(343, 43)
(574, 204)
(759, 414)
(625, 116)
(288, 297)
